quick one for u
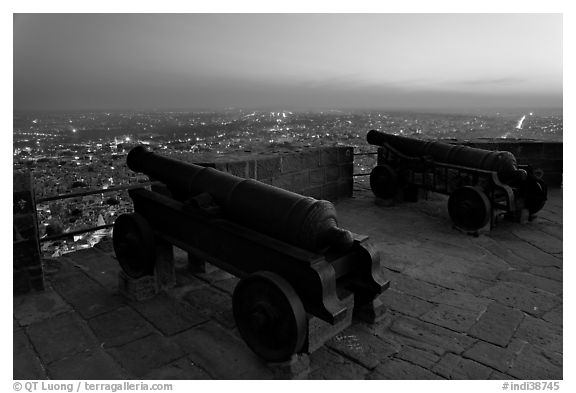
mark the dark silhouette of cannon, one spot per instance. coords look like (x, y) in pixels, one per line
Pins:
(481, 183)
(297, 267)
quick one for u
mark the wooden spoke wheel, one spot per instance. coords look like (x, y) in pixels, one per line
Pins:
(536, 193)
(469, 208)
(133, 241)
(384, 181)
(270, 316)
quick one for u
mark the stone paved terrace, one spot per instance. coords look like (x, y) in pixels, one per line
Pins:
(460, 307)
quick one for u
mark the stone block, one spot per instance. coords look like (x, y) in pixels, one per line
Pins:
(142, 356)
(345, 188)
(450, 317)
(285, 182)
(540, 333)
(119, 327)
(300, 181)
(167, 316)
(497, 325)
(325, 364)
(90, 365)
(430, 337)
(38, 306)
(535, 363)
(462, 300)
(224, 355)
(418, 356)
(181, 369)
(267, 167)
(332, 173)
(531, 281)
(452, 366)
(314, 192)
(311, 158)
(491, 355)
(406, 304)
(361, 346)
(99, 266)
(555, 316)
(330, 191)
(317, 176)
(400, 370)
(61, 336)
(238, 168)
(346, 170)
(406, 284)
(329, 156)
(210, 303)
(136, 289)
(529, 300)
(291, 163)
(26, 363)
(345, 154)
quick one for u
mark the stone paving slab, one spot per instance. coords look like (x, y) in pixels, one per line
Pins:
(27, 364)
(145, 354)
(459, 307)
(181, 369)
(452, 366)
(537, 363)
(119, 327)
(86, 296)
(166, 316)
(38, 306)
(221, 354)
(61, 336)
(92, 364)
(326, 364)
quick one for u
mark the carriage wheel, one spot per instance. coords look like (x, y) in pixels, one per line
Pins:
(469, 208)
(270, 316)
(384, 181)
(536, 195)
(133, 241)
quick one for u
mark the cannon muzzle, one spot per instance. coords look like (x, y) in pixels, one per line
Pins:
(502, 162)
(298, 220)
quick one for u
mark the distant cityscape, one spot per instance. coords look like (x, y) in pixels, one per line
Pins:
(68, 152)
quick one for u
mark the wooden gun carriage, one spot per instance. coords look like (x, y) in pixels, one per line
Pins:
(298, 269)
(481, 184)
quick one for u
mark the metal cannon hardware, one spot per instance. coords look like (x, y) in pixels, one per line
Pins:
(481, 184)
(302, 277)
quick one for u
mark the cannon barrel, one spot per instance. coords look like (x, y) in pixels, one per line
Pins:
(502, 162)
(298, 220)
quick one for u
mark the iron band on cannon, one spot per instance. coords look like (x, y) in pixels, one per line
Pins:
(480, 183)
(297, 267)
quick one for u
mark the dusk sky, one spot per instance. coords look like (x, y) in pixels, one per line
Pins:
(298, 61)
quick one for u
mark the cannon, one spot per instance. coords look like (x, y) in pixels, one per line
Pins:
(481, 184)
(299, 272)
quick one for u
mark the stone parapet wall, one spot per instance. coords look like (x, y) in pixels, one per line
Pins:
(545, 157)
(27, 267)
(322, 173)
